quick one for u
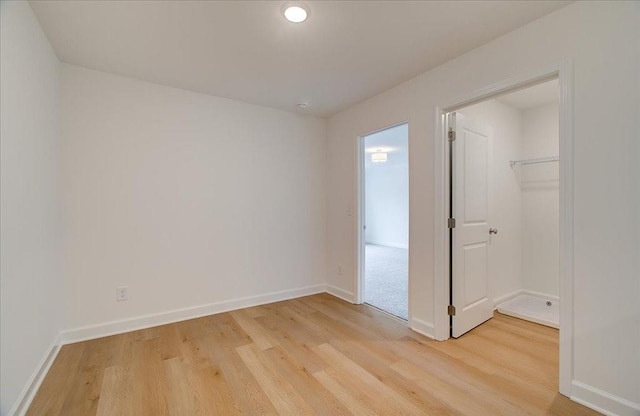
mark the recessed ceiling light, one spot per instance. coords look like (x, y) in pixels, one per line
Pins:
(295, 12)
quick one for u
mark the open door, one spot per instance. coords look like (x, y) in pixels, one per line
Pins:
(469, 228)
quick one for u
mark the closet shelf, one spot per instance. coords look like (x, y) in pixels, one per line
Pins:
(534, 161)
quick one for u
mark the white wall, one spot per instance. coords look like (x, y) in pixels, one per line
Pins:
(505, 196)
(185, 198)
(31, 295)
(540, 201)
(387, 188)
(602, 40)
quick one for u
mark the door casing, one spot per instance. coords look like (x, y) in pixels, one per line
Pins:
(563, 71)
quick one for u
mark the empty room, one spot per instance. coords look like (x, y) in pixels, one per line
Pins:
(319, 207)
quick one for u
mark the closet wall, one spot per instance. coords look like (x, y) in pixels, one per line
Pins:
(524, 200)
(540, 201)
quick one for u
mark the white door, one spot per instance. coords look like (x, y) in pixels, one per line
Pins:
(470, 234)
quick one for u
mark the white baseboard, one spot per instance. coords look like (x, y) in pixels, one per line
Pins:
(33, 384)
(389, 244)
(340, 293)
(602, 401)
(147, 321)
(422, 327)
(501, 299)
(541, 295)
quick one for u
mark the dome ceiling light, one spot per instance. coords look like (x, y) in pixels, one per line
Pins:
(379, 156)
(295, 12)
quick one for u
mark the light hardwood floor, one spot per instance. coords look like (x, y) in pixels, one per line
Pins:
(313, 355)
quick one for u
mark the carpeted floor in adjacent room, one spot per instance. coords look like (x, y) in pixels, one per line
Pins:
(386, 279)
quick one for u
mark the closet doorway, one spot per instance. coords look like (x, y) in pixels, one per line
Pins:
(504, 197)
(562, 72)
(384, 217)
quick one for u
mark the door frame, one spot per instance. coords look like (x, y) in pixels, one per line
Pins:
(361, 215)
(563, 71)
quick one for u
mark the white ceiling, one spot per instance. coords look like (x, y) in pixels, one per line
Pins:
(541, 94)
(345, 52)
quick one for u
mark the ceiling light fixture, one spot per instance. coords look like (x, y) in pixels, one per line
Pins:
(295, 11)
(379, 157)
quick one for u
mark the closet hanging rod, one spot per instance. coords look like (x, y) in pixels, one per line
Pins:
(532, 161)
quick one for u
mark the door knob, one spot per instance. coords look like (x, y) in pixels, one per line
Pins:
(493, 231)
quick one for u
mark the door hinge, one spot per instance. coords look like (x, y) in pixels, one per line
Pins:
(451, 223)
(452, 135)
(451, 310)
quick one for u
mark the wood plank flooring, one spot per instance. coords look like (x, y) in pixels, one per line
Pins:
(316, 355)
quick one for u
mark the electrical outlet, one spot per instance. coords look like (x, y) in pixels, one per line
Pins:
(122, 293)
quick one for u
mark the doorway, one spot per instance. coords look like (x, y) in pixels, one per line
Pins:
(384, 206)
(504, 176)
(562, 71)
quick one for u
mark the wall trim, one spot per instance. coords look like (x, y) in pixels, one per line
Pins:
(422, 327)
(33, 383)
(88, 332)
(501, 299)
(340, 293)
(602, 401)
(497, 301)
(540, 295)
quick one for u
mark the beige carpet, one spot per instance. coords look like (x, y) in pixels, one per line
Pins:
(386, 279)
